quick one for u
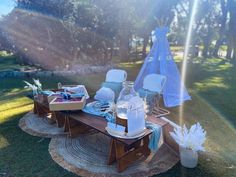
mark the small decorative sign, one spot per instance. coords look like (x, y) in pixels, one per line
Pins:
(136, 116)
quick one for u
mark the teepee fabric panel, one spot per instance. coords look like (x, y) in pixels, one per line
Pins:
(160, 61)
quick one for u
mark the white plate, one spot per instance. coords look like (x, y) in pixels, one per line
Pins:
(112, 133)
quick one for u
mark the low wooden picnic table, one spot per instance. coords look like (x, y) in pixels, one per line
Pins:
(122, 151)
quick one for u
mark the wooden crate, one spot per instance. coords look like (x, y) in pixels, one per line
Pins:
(56, 95)
(53, 96)
(67, 105)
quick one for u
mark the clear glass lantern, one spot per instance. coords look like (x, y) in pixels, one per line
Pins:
(125, 95)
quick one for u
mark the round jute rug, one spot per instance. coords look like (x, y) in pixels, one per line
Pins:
(39, 126)
(87, 156)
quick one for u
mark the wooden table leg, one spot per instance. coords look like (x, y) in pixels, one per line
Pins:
(40, 110)
(53, 116)
(51, 119)
(66, 124)
(35, 108)
(75, 128)
(44, 111)
(60, 119)
(120, 152)
(124, 157)
(146, 149)
(112, 152)
(137, 144)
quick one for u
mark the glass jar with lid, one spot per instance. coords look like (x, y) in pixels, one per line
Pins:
(125, 95)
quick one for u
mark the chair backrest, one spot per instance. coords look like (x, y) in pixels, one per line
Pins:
(154, 82)
(116, 75)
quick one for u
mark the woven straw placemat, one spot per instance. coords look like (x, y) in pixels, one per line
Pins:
(87, 156)
(40, 126)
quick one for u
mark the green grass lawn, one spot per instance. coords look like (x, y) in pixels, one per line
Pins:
(211, 83)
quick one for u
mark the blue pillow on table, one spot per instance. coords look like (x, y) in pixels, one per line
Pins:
(115, 86)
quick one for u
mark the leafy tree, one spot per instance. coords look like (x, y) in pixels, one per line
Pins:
(205, 22)
(100, 27)
(222, 19)
(231, 50)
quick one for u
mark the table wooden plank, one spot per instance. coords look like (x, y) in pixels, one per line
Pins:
(112, 152)
(99, 123)
(124, 151)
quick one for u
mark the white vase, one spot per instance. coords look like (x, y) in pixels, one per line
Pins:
(188, 157)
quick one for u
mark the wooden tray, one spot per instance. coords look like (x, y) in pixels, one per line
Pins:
(68, 105)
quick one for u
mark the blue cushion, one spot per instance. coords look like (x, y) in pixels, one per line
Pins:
(115, 86)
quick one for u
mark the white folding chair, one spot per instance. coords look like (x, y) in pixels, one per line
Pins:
(154, 82)
(116, 75)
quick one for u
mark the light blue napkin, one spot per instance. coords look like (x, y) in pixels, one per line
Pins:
(155, 136)
(90, 110)
(76, 95)
(47, 92)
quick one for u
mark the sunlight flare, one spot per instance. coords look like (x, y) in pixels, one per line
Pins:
(185, 58)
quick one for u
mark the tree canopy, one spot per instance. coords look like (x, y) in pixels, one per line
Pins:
(106, 28)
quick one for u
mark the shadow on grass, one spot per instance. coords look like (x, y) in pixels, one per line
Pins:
(214, 80)
(25, 155)
(211, 78)
(22, 154)
(211, 168)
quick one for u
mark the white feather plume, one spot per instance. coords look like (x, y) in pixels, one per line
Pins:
(31, 86)
(193, 138)
(37, 83)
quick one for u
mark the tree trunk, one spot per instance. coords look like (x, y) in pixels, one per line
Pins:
(111, 52)
(222, 28)
(205, 51)
(206, 44)
(124, 47)
(232, 28)
(145, 42)
(234, 52)
(217, 47)
(20, 59)
(229, 51)
(124, 36)
(124, 30)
